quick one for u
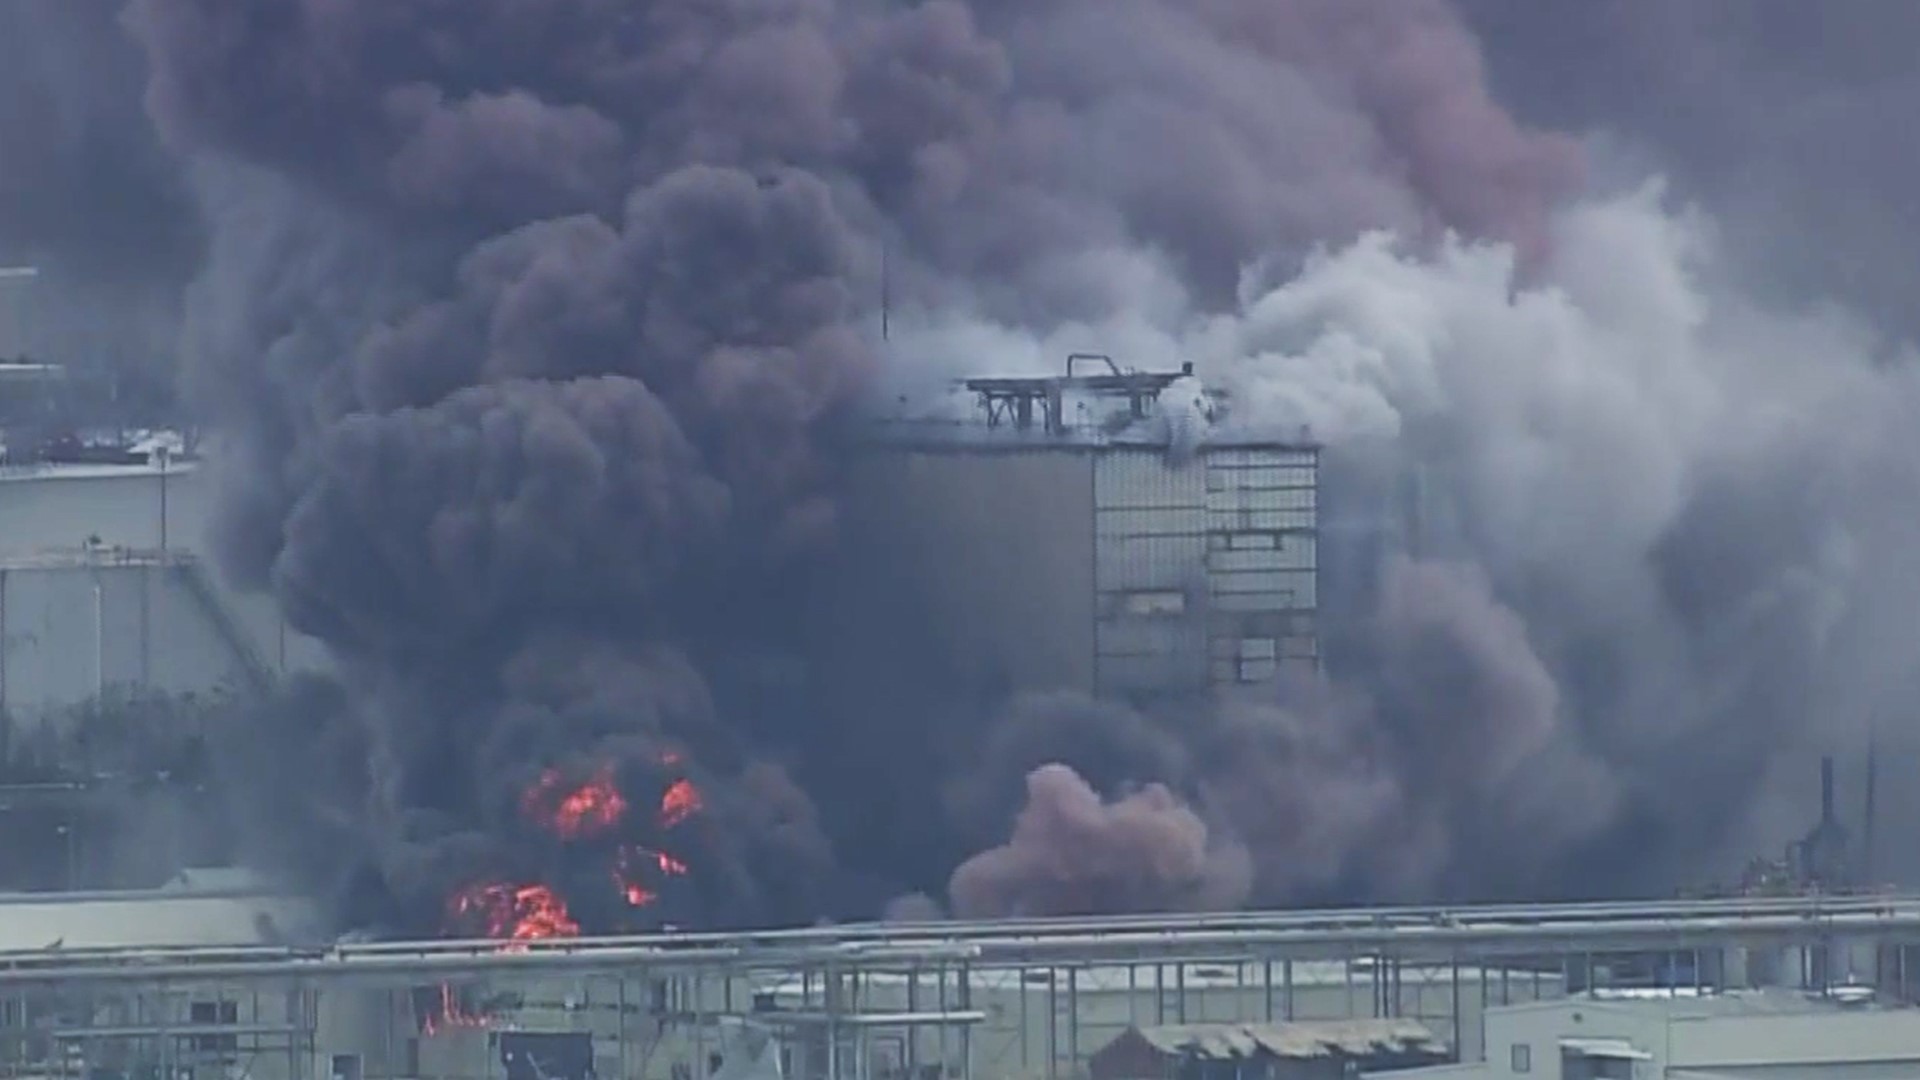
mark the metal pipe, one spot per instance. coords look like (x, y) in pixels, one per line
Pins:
(789, 951)
(1350, 919)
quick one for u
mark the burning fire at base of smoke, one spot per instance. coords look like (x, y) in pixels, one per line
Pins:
(631, 863)
(512, 912)
(578, 814)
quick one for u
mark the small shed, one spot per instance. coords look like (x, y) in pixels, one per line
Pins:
(1301, 1050)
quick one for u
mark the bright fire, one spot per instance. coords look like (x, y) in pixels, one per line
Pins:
(520, 913)
(513, 912)
(592, 807)
(681, 801)
(451, 1014)
(628, 863)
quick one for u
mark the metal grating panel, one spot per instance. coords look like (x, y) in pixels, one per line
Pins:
(1261, 562)
(1150, 549)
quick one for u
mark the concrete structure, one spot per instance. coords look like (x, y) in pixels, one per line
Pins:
(1135, 552)
(1776, 1034)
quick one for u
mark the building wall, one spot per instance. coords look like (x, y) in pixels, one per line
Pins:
(1539, 1028)
(1117, 570)
(1711, 1037)
(1262, 562)
(1823, 1039)
(1853, 1071)
(68, 632)
(998, 545)
(45, 508)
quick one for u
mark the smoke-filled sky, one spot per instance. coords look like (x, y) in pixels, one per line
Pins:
(532, 326)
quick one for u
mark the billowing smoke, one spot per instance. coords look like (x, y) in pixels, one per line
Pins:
(531, 328)
(89, 199)
(1774, 113)
(1661, 536)
(1142, 852)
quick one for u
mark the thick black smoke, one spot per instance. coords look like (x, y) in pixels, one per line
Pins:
(89, 198)
(531, 327)
(531, 321)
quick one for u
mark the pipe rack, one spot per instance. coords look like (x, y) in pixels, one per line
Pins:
(1411, 933)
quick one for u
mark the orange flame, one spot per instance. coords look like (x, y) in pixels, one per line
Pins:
(627, 863)
(513, 912)
(452, 1015)
(592, 807)
(681, 801)
(521, 913)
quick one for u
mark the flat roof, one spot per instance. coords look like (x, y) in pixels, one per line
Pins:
(934, 435)
(43, 472)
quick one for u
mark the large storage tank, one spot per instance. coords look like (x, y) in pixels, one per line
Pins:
(104, 586)
(1116, 562)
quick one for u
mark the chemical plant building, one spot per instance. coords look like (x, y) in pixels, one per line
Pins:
(1098, 531)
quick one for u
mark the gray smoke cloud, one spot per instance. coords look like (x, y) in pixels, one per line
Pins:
(1073, 853)
(1660, 534)
(1450, 769)
(1775, 114)
(531, 327)
(88, 197)
(531, 321)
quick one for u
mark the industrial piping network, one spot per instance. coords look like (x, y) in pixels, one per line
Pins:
(1415, 934)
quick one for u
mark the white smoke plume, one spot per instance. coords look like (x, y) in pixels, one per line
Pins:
(1666, 536)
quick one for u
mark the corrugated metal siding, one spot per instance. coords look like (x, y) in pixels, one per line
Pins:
(1150, 548)
(1262, 562)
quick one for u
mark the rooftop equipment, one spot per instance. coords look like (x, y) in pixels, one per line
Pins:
(1009, 400)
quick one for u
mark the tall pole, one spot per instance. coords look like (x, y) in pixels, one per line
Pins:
(99, 641)
(1866, 829)
(163, 455)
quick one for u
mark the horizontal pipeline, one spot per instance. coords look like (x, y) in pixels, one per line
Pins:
(1467, 943)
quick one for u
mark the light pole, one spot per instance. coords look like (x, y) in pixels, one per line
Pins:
(162, 454)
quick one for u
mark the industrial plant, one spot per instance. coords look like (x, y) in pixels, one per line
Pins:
(958, 540)
(1123, 553)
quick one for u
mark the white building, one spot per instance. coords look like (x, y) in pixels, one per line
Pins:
(1761, 1035)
